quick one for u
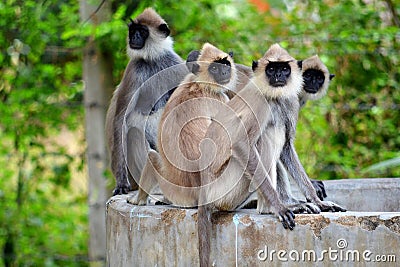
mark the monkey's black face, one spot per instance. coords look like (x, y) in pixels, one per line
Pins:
(220, 70)
(278, 73)
(313, 80)
(137, 35)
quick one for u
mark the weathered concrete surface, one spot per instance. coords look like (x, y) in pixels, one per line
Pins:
(373, 194)
(167, 236)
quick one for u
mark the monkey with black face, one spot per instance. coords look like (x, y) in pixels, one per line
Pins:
(312, 70)
(182, 127)
(150, 51)
(316, 79)
(250, 142)
(285, 112)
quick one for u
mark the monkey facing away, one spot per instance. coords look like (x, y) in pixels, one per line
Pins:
(150, 51)
(248, 138)
(182, 127)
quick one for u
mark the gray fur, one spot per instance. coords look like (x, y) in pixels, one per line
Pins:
(155, 56)
(141, 121)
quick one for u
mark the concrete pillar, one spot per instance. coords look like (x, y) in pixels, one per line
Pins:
(167, 236)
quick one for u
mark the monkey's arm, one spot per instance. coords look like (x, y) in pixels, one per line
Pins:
(291, 160)
(262, 181)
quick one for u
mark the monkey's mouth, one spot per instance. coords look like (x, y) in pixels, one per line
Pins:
(310, 90)
(278, 84)
(135, 46)
(225, 81)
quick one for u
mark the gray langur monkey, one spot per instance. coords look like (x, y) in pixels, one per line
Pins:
(248, 136)
(241, 78)
(316, 79)
(312, 89)
(150, 50)
(182, 127)
(280, 64)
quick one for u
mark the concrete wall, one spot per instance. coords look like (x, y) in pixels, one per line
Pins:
(167, 236)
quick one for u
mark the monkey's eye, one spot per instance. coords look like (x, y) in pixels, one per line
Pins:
(213, 68)
(320, 79)
(286, 70)
(270, 70)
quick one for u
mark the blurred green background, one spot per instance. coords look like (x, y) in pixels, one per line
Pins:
(353, 132)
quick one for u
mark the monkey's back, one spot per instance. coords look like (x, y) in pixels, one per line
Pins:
(182, 128)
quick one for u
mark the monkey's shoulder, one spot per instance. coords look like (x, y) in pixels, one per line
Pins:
(192, 90)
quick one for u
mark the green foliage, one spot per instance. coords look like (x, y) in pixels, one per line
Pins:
(42, 219)
(43, 215)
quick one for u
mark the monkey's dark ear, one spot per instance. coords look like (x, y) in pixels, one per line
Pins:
(254, 65)
(193, 56)
(164, 29)
(300, 63)
(191, 61)
(230, 53)
(331, 76)
(130, 23)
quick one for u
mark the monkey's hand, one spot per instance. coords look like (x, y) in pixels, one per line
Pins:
(330, 206)
(305, 207)
(286, 217)
(122, 189)
(319, 188)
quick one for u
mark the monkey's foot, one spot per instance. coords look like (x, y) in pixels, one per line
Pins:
(330, 206)
(121, 190)
(286, 217)
(305, 207)
(319, 188)
(135, 200)
(263, 208)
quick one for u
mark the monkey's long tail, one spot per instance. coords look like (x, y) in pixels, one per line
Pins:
(204, 228)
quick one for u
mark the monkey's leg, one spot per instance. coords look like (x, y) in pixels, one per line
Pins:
(285, 193)
(136, 152)
(148, 179)
(120, 172)
(319, 188)
(291, 161)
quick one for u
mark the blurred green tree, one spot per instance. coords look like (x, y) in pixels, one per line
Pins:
(43, 215)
